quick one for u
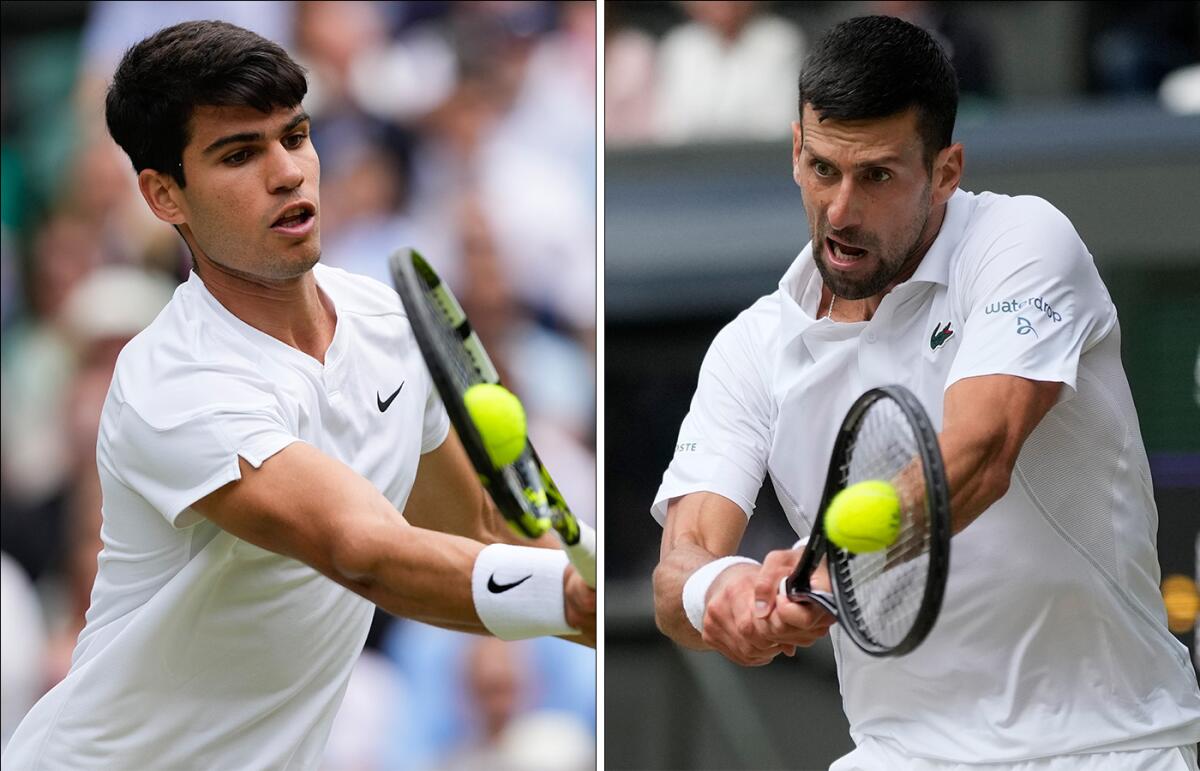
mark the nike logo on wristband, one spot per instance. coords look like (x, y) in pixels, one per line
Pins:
(496, 588)
(383, 405)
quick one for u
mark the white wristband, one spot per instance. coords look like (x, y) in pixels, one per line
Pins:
(518, 591)
(695, 589)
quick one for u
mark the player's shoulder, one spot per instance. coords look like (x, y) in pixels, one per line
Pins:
(186, 362)
(1004, 230)
(995, 215)
(357, 294)
(749, 340)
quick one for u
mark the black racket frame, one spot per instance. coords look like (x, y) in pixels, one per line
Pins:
(937, 503)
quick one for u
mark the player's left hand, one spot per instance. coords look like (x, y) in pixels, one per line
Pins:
(579, 604)
(779, 619)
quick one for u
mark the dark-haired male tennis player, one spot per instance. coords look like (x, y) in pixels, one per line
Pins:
(1051, 651)
(258, 444)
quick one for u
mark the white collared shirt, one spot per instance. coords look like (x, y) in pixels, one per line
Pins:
(202, 650)
(1052, 636)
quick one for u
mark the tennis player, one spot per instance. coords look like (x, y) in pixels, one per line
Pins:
(258, 445)
(1051, 651)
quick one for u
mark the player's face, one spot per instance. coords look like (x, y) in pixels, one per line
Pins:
(251, 201)
(868, 195)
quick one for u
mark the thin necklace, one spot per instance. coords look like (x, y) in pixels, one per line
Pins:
(832, 299)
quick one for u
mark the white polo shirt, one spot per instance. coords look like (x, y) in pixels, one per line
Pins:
(202, 650)
(1052, 637)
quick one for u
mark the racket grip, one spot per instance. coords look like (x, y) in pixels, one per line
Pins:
(813, 597)
(583, 554)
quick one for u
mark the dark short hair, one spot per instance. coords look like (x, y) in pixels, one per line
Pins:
(164, 78)
(877, 66)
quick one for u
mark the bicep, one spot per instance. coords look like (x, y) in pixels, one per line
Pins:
(306, 505)
(986, 420)
(447, 496)
(998, 409)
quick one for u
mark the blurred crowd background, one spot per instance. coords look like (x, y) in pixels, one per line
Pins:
(712, 70)
(464, 130)
(1094, 106)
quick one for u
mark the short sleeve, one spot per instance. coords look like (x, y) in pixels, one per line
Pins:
(435, 425)
(726, 437)
(174, 465)
(1033, 301)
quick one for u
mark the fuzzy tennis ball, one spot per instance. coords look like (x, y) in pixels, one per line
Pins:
(500, 420)
(864, 517)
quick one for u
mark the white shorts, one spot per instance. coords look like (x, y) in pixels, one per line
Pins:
(874, 755)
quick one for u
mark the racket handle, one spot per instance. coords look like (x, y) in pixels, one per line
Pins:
(583, 554)
(810, 596)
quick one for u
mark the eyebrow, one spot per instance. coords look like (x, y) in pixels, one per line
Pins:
(253, 136)
(884, 160)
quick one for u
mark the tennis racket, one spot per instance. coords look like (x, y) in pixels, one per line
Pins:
(886, 600)
(523, 490)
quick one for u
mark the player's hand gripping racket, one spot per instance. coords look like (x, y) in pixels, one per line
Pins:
(887, 600)
(523, 490)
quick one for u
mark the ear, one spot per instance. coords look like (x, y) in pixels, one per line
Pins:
(947, 172)
(797, 146)
(162, 195)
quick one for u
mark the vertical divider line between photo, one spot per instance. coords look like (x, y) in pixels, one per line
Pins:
(601, 439)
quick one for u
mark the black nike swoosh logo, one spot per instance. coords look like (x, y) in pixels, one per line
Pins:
(383, 405)
(496, 588)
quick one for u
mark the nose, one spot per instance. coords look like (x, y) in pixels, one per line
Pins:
(842, 211)
(284, 171)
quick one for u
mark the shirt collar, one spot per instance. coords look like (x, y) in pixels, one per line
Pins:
(935, 265)
(800, 296)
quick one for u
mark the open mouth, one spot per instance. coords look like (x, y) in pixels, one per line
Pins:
(295, 219)
(844, 253)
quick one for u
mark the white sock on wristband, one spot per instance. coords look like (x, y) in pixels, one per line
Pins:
(695, 589)
(518, 591)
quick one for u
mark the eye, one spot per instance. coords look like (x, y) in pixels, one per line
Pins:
(879, 175)
(295, 141)
(822, 169)
(238, 158)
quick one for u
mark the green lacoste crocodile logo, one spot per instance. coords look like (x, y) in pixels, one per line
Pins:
(940, 336)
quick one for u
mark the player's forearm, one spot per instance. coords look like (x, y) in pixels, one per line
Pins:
(411, 572)
(670, 575)
(978, 472)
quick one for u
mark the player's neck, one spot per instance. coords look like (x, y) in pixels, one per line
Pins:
(294, 311)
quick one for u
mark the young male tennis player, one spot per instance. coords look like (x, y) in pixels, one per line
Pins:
(259, 443)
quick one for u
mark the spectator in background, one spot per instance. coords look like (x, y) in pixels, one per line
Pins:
(38, 364)
(727, 74)
(22, 638)
(1132, 47)
(969, 47)
(495, 677)
(629, 67)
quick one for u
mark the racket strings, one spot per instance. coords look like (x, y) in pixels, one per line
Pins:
(467, 364)
(884, 589)
(464, 368)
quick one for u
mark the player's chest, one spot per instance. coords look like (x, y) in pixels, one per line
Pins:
(366, 407)
(911, 341)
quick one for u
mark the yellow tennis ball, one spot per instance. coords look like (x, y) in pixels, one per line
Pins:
(500, 420)
(864, 517)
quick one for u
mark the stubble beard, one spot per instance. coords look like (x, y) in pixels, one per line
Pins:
(891, 263)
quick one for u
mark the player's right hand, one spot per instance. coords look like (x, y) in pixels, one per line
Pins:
(729, 624)
(780, 620)
(579, 605)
